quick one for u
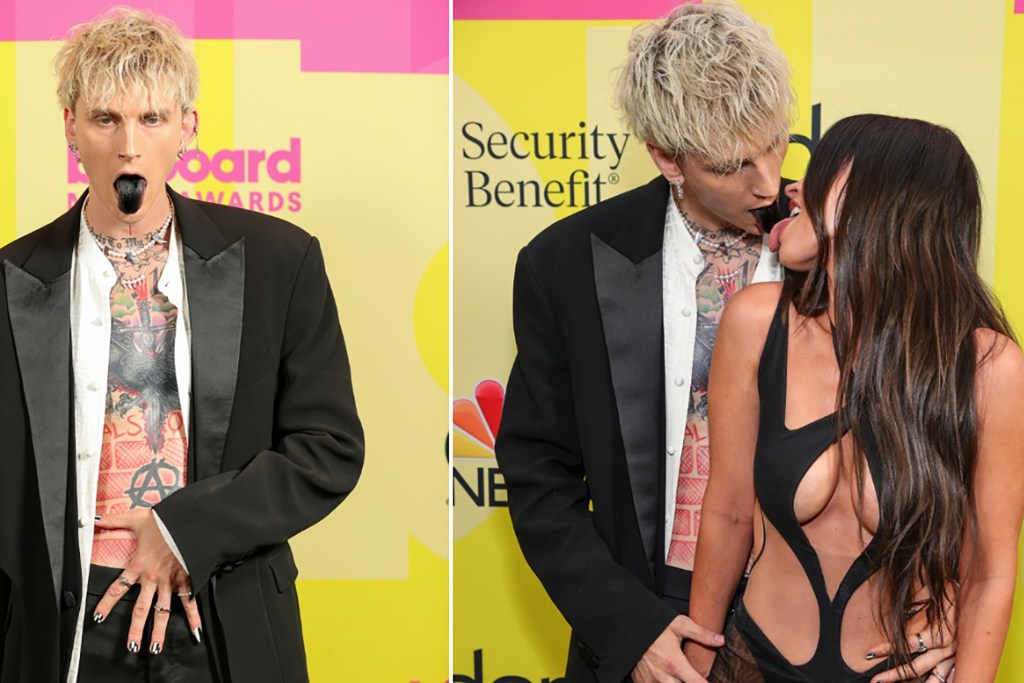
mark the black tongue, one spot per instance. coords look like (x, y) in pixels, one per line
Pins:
(130, 189)
(767, 216)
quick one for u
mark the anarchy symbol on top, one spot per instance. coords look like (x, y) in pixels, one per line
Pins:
(148, 479)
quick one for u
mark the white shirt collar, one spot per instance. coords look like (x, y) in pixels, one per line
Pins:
(94, 262)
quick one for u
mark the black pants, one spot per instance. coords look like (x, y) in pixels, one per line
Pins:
(105, 656)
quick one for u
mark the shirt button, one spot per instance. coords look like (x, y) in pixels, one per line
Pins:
(107, 274)
(92, 386)
(698, 259)
(671, 450)
(98, 322)
(687, 312)
(81, 523)
(679, 381)
(84, 455)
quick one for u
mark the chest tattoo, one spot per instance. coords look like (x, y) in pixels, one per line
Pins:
(726, 271)
(144, 456)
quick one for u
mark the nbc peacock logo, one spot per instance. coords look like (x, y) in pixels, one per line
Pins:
(477, 479)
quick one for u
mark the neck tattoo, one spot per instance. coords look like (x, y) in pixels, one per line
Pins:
(727, 240)
(128, 249)
(725, 244)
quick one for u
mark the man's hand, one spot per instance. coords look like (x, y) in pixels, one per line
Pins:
(664, 661)
(159, 574)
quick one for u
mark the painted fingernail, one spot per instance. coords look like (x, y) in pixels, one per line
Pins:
(197, 633)
(133, 647)
(98, 617)
(154, 648)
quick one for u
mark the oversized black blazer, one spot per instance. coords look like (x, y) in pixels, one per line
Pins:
(274, 442)
(583, 425)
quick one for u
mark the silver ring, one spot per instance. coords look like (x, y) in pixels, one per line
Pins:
(160, 609)
(942, 679)
(124, 582)
(921, 647)
(186, 594)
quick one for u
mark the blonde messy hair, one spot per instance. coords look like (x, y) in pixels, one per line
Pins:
(126, 51)
(707, 82)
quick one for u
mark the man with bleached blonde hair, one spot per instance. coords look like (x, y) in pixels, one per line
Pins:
(176, 400)
(604, 436)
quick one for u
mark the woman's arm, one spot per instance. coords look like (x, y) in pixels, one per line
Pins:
(990, 557)
(726, 522)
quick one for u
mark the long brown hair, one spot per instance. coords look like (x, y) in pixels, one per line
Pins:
(908, 300)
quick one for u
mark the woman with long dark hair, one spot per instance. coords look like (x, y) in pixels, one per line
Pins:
(865, 429)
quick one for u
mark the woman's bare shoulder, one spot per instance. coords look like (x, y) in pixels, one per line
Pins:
(747, 317)
(752, 308)
(1000, 372)
(997, 353)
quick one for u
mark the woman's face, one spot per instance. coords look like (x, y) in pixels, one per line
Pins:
(794, 237)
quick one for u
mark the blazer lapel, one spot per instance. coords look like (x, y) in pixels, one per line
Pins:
(39, 305)
(628, 278)
(215, 286)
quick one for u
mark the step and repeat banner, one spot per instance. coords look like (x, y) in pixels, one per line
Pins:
(535, 138)
(330, 115)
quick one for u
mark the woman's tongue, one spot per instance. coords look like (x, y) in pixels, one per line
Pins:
(776, 233)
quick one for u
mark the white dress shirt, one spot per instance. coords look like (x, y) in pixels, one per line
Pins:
(92, 279)
(682, 263)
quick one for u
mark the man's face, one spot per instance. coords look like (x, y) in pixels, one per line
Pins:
(134, 135)
(725, 195)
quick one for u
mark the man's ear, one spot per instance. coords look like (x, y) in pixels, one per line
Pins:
(189, 127)
(70, 131)
(666, 163)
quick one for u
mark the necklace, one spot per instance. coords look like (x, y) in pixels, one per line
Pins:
(129, 255)
(702, 235)
(132, 282)
(725, 246)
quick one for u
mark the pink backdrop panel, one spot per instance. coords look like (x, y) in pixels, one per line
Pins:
(539, 10)
(383, 36)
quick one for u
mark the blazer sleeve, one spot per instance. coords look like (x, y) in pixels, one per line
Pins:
(614, 615)
(318, 452)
